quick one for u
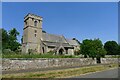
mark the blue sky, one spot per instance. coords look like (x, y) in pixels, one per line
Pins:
(82, 20)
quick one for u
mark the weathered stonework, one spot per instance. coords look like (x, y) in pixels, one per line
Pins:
(35, 40)
(109, 60)
(18, 64)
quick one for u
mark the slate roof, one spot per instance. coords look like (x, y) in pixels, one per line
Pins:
(73, 42)
(53, 38)
(57, 44)
(57, 40)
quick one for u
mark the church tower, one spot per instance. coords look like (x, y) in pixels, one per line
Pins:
(32, 34)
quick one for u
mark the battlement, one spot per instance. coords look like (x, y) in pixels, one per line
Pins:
(33, 16)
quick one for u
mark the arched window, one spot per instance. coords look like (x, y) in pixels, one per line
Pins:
(35, 23)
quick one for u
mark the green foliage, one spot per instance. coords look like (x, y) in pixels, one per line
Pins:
(85, 47)
(5, 39)
(8, 51)
(45, 55)
(13, 34)
(13, 44)
(92, 48)
(111, 47)
(118, 51)
(9, 40)
(102, 52)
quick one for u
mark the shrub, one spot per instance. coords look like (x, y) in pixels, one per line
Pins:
(8, 51)
(18, 51)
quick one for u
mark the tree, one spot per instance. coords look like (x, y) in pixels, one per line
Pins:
(13, 44)
(5, 39)
(101, 52)
(111, 47)
(96, 49)
(85, 47)
(13, 34)
(93, 48)
(118, 50)
(9, 39)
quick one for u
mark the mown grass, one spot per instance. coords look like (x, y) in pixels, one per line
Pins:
(112, 56)
(61, 73)
(45, 55)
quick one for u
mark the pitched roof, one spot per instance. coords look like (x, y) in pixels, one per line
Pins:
(73, 42)
(56, 44)
(57, 40)
(53, 38)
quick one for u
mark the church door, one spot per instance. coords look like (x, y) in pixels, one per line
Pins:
(43, 50)
(61, 51)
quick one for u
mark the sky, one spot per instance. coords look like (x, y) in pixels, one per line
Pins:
(80, 20)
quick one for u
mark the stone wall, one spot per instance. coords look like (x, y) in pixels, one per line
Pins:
(109, 60)
(18, 64)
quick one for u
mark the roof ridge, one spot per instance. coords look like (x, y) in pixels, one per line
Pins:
(52, 34)
(65, 39)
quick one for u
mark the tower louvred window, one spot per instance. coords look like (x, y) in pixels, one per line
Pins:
(35, 23)
(35, 31)
(35, 35)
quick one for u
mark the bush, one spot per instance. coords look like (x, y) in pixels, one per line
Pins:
(8, 51)
(18, 51)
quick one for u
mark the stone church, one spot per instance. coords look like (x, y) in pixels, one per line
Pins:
(39, 41)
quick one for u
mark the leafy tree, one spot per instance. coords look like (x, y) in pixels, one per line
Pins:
(111, 47)
(118, 50)
(101, 52)
(9, 39)
(96, 49)
(85, 47)
(93, 48)
(5, 39)
(13, 34)
(13, 44)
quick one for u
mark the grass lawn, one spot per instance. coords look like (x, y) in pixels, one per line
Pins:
(61, 73)
(45, 55)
